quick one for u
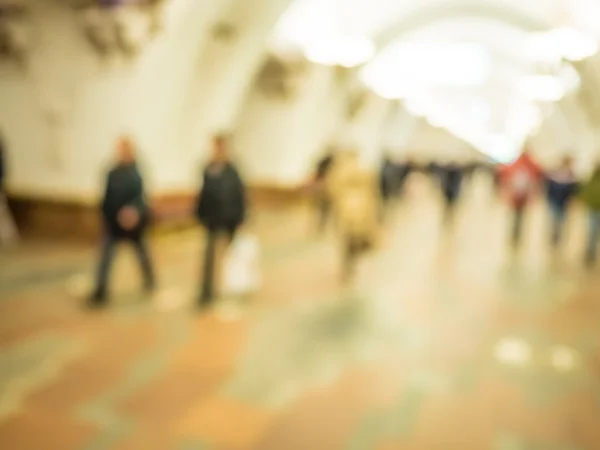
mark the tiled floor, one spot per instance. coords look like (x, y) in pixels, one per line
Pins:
(446, 341)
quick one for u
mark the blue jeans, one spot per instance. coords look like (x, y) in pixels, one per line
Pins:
(107, 257)
(593, 235)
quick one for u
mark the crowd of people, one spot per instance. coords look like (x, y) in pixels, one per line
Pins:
(518, 183)
(345, 192)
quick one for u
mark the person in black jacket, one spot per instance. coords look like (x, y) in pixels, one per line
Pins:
(221, 209)
(125, 216)
(322, 200)
(451, 178)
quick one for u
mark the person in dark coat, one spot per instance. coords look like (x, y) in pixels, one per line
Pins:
(561, 188)
(221, 209)
(451, 178)
(388, 178)
(125, 216)
(404, 170)
(388, 182)
(323, 202)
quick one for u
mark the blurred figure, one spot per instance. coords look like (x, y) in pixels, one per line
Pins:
(451, 178)
(354, 195)
(520, 180)
(323, 202)
(8, 229)
(496, 179)
(125, 214)
(561, 187)
(387, 183)
(221, 209)
(404, 169)
(590, 194)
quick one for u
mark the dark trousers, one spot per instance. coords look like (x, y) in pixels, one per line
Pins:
(107, 256)
(450, 200)
(518, 219)
(210, 256)
(323, 207)
(558, 221)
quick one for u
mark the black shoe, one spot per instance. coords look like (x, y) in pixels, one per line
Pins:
(205, 300)
(97, 301)
(150, 288)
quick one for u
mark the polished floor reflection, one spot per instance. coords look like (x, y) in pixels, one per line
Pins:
(447, 340)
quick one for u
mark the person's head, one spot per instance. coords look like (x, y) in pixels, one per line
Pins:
(567, 162)
(220, 148)
(125, 150)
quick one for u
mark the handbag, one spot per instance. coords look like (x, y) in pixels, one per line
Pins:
(241, 266)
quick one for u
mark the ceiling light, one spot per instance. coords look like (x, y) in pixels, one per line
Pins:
(429, 65)
(561, 43)
(574, 45)
(346, 51)
(541, 87)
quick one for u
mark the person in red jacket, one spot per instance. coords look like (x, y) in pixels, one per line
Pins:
(520, 180)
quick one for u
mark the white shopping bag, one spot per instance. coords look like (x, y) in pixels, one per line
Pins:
(241, 266)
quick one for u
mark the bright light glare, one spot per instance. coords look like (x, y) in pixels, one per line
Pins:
(404, 68)
(523, 118)
(541, 87)
(349, 51)
(573, 45)
(540, 47)
(416, 107)
(501, 147)
(561, 43)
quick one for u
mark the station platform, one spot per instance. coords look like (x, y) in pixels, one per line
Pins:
(447, 340)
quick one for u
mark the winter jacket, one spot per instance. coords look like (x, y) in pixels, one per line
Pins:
(222, 200)
(124, 188)
(520, 180)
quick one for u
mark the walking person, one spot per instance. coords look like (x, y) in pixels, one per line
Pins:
(590, 194)
(323, 202)
(388, 180)
(354, 193)
(8, 230)
(221, 209)
(561, 187)
(451, 177)
(520, 180)
(404, 169)
(125, 215)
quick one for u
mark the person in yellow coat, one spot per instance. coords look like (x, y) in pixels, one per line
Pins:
(354, 195)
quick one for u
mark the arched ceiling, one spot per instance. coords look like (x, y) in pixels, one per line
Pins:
(504, 56)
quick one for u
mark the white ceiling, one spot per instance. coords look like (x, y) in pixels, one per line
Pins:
(501, 28)
(372, 17)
